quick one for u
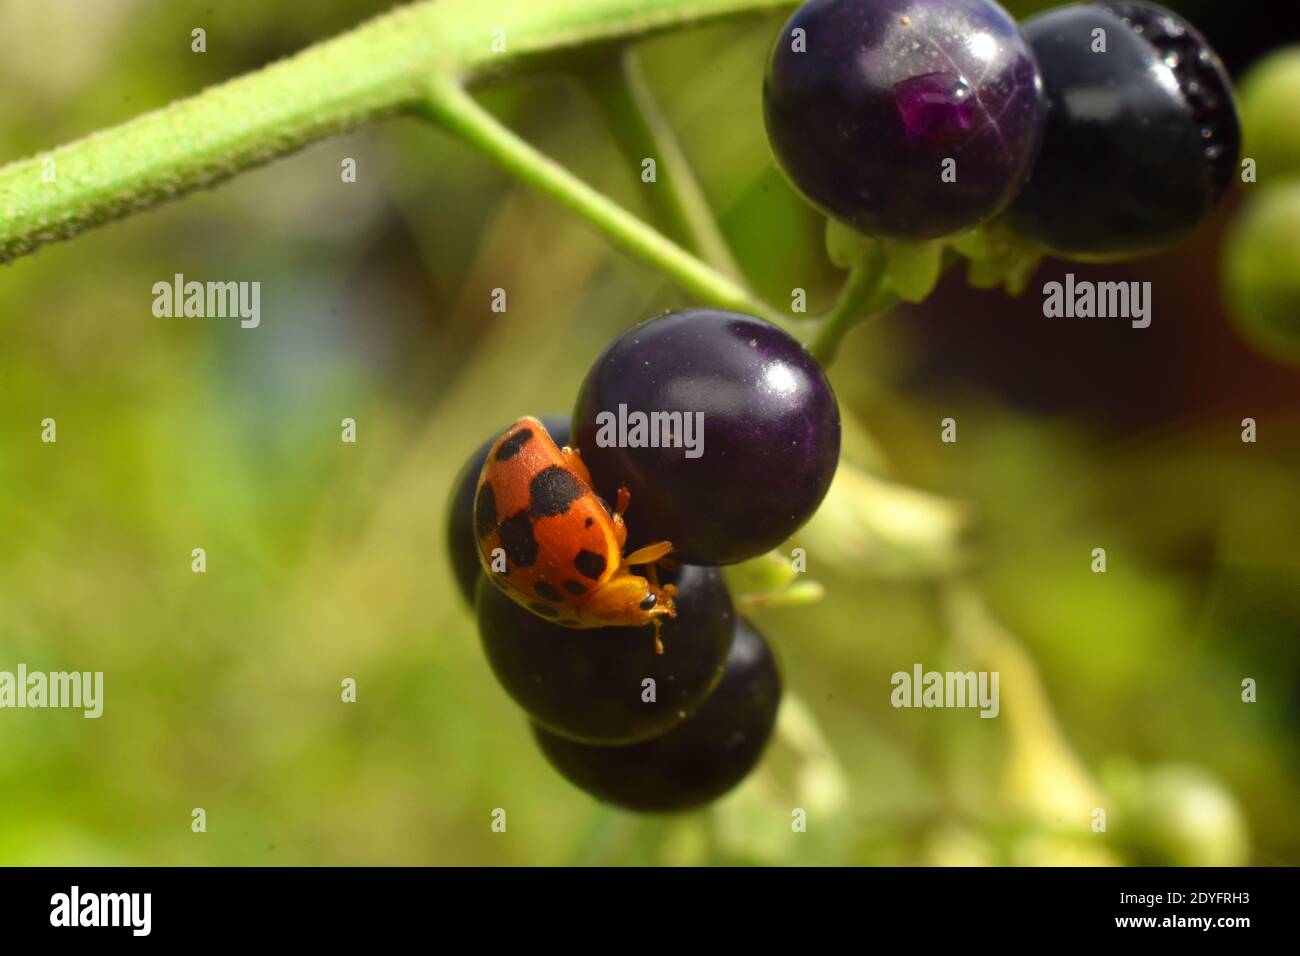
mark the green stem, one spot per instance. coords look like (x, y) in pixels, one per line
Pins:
(617, 85)
(378, 69)
(863, 293)
(370, 72)
(451, 106)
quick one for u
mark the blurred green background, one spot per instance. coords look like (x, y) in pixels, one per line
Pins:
(326, 560)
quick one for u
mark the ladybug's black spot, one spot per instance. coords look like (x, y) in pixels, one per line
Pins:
(575, 588)
(590, 564)
(589, 522)
(545, 610)
(510, 447)
(485, 511)
(552, 490)
(548, 592)
(518, 541)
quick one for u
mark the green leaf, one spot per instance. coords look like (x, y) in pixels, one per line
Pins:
(913, 267)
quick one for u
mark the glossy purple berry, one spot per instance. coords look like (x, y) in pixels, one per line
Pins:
(904, 118)
(589, 684)
(1141, 140)
(746, 442)
(697, 762)
(462, 545)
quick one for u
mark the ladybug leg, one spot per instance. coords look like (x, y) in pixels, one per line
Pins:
(649, 554)
(652, 574)
(659, 644)
(670, 591)
(616, 516)
(573, 461)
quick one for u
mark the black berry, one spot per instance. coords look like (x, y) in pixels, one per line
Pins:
(712, 751)
(759, 409)
(1141, 140)
(589, 684)
(904, 118)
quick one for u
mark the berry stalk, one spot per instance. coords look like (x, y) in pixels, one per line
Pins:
(450, 106)
(864, 293)
(617, 86)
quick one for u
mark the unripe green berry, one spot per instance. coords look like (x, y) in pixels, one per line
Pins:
(1267, 96)
(1262, 271)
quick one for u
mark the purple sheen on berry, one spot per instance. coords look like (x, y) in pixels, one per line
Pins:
(938, 106)
(904, 118)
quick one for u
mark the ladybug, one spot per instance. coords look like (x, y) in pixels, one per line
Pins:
(552, 545)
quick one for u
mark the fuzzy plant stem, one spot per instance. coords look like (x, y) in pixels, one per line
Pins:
(381, 68)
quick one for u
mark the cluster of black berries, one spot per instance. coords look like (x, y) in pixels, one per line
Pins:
(663, 732)
(1101, 129)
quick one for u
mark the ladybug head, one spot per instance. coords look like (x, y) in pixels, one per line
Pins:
(629, 600)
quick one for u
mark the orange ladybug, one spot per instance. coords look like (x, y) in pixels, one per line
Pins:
(552, 545)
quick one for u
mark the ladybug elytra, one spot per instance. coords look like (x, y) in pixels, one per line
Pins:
(552, 545)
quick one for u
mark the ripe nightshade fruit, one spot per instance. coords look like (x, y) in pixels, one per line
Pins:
(589, 684)
(904, 118)
(763, 439)
(462, 545)
(703, 758)
(1140, 142)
